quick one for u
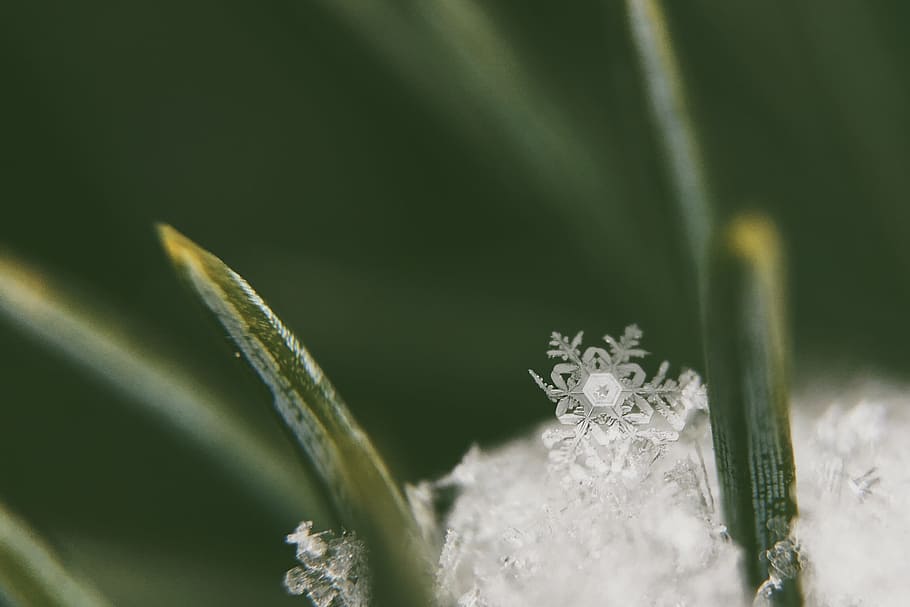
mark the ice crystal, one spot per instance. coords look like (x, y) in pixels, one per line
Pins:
(785, 561)
(854, 496)
(333, 570)
(605, 395)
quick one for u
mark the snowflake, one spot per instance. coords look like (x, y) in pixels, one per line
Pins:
(605, 395)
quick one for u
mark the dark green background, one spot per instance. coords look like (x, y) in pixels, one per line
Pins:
(398, 227)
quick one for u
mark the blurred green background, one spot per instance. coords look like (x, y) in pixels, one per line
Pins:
(423, 191)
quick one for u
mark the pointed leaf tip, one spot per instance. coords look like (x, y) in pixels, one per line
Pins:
(180, 249)
(755, 238)
(169, 237)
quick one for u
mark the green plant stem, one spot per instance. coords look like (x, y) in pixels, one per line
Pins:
(747, 350)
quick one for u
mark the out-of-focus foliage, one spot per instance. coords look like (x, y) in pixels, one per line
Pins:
(398, 160)
(30, 573)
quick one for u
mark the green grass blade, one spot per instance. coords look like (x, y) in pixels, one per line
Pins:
(485, 68)
(103, 346)
(356, 478)
(31, 575)
(747, 354)
(676, 131)
(483, 76)
(498, 102)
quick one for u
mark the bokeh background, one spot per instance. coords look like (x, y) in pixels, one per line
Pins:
(423, 191)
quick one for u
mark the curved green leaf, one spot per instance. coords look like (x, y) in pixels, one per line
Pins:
(355, 477)
(30, 573)
(676, 129)
(104, 346)
(749, 393)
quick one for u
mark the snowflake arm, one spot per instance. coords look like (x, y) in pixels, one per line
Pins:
(627, 347)
(564, 348)
(552, 392)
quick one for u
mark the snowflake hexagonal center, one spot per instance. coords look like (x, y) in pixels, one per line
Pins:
(602, 389)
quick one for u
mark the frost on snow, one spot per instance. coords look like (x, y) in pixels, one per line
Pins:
(524, 533)
(853, 469)
(333, 570)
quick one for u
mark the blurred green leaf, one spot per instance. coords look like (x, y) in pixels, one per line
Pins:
(676, 129)
(747, 355)
(355, 476)
(455, 54)
(135, 573)
(31, 575)
(104, 346)
(452, 52)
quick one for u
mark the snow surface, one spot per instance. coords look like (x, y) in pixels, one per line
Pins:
(529, 527)
(526, 532)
